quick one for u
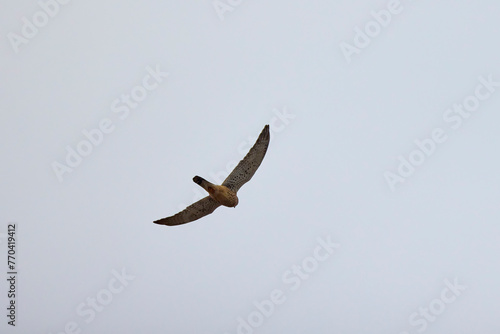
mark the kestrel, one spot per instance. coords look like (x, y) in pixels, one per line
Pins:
(224, 194)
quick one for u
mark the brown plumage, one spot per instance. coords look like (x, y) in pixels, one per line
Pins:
(224, 194)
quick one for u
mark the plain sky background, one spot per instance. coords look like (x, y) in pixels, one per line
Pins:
(323, 175)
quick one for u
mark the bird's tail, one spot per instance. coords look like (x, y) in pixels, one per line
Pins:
(204, 183)
(199, 180)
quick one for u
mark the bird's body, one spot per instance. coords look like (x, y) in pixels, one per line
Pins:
(224, 194)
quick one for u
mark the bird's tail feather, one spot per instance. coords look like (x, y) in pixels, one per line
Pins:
(204, 184)
(198, 180)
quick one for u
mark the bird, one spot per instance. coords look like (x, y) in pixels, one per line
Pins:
(224, 194)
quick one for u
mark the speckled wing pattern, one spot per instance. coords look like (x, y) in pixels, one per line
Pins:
(247, 167)
(203, 207)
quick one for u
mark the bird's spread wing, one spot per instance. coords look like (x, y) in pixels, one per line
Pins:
(203, 207)
(247, 167)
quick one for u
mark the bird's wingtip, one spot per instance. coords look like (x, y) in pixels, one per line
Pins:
(265, 132)
(163, 221)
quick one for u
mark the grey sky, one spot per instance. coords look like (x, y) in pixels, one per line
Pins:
(149, 95)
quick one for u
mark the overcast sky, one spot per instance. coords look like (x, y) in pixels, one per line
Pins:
(374, 211)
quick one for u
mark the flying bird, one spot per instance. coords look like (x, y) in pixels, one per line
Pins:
(224, 194)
